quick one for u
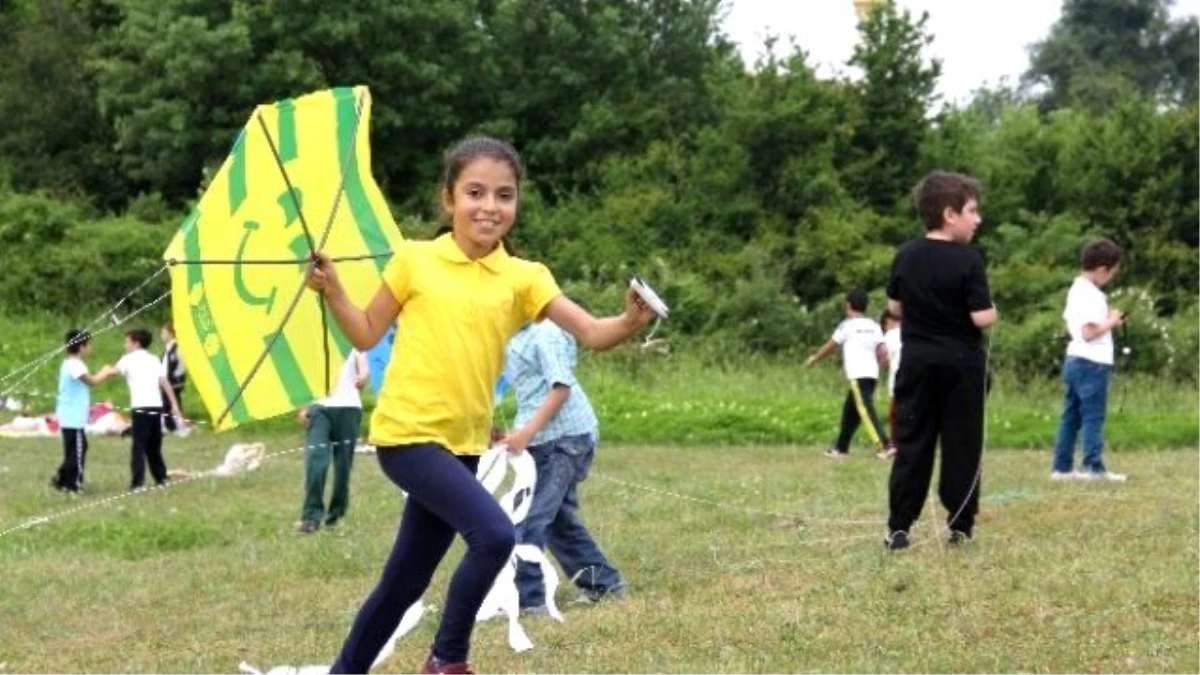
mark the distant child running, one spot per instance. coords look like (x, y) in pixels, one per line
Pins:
(1088, 365)
(861, 341)
(463, 297)
(939, 289)
(71, 410)
(891, 340)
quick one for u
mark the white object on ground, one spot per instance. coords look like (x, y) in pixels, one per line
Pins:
(241, 458)
(408, 622)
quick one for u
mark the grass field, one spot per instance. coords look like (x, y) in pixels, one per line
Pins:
(746, 550)
(741, 558)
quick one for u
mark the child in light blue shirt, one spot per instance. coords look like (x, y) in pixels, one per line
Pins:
(71, 410)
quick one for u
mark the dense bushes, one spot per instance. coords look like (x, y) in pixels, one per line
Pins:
(58, 258)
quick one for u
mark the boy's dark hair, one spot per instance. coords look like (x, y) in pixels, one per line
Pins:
(943, 190)
(75, 339)
(857, 299)
(141, 336)
(1100, 253)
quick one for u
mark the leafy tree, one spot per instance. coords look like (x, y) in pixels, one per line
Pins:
(175, 83)
(577, 82)
(895, 95)
(1100, 50)
(53, 137)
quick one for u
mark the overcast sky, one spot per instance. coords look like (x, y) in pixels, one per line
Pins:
(979, 41)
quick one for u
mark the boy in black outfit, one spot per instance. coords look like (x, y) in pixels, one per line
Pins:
(940, 290)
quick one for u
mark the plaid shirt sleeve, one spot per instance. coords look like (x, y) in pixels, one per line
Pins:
(555, 354)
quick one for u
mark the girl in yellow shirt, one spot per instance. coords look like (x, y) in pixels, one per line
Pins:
(463, 296)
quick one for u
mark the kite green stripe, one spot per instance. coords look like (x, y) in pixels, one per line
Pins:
(202, 318)
(287, 130)
(288, 368)
(237, 173)
(339, 338)
(356, 194)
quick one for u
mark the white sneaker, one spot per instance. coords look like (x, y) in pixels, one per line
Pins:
(1101, 475)
(1062, 475)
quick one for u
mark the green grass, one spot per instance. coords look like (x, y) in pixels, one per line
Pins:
(742, 558)
(746, 550)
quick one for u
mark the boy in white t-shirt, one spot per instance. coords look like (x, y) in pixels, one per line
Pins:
(333, 425)
(863, 349)
(1088, 366)
(147, 380)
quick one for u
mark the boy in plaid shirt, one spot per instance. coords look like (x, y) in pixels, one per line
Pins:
(556, 424)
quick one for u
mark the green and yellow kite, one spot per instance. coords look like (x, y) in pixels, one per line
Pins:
(298, 180)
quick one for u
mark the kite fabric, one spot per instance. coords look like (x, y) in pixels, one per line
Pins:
(378, 357)
(298, 180)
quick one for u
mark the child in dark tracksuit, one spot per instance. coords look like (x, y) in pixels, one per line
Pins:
(939, 290)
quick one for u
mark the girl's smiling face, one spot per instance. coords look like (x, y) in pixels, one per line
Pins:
(482, 205)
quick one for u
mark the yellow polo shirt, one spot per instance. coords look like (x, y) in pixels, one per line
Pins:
(456, 316)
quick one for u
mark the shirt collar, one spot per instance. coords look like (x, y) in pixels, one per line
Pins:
(446, 248)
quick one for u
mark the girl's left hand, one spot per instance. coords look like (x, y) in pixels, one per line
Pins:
(636, 309)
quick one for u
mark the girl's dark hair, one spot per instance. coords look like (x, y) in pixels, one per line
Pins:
(141, 336)
(75, 340)
(885, 316)
(469, 150)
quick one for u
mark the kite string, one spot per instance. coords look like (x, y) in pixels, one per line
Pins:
(730, 507)
(115, 408)
(987, 359)
(43, 360)
(30, 523)
(37, 361)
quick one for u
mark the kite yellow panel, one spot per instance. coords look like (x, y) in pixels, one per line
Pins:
(256, 342)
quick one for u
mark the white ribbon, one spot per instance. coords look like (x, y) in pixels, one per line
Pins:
(503, 598)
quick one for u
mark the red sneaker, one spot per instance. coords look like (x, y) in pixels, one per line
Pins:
(436, 665)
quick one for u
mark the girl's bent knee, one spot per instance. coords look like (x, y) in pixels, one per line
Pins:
(495, 538)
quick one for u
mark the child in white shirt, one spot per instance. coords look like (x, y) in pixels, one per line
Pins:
(147, 380)
(861, 340)
(1088, 366)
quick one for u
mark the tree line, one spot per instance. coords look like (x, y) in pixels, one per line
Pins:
(753, 194)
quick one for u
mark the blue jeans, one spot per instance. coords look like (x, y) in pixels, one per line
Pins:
(1084, 408)
(554, 521)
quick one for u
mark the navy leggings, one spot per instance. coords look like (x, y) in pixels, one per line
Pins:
(443, 498)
